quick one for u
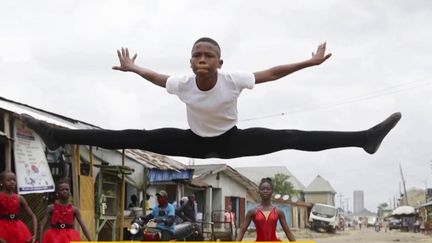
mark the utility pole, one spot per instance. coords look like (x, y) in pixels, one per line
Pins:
(340, 201)
(404, 185)
(347, 208)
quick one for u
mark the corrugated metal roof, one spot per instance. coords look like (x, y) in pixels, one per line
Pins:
(50, 117)
(153, 160)
(148, 159)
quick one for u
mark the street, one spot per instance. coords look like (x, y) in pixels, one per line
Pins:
(358, 236)
(367, 236)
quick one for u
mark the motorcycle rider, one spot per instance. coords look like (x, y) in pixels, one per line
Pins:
(188, 213)
(164, 215)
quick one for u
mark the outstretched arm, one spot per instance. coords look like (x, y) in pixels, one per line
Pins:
(82, 224)
(278, 72)
(127, 64)
(30, 213)
(245, 224)
(285, 227)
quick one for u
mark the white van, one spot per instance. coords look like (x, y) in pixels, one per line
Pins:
(323, 217)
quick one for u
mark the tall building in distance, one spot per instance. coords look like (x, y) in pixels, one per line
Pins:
(358, 201)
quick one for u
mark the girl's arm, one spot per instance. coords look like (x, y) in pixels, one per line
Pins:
(127, 64)
(281, 71)
(247, 221)
(285, 227)
(45, 221)
(82, 224)
(30, 213)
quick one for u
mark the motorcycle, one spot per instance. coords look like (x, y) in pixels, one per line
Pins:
(377, 227)
(148, 231)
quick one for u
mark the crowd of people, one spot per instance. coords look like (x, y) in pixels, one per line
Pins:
(58, 224)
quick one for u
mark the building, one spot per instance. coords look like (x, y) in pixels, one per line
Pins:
(224, 186)
(320, 191)
(102, 180)
(358, 201)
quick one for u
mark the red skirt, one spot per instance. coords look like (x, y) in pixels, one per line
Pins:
(14, 231)
(60, 236)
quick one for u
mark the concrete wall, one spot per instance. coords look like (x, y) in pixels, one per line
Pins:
(324, 198)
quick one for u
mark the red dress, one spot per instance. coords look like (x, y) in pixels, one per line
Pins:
(62, 220)
(12, 230)
(266, 227)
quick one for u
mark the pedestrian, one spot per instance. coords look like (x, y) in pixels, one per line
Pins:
(12, 229)
(385, 225)
(59, 220)
(230, 217)
(211, 103)
(417, 225)
(266, 216)
(134, 201)
(145, 203)
(422, 226)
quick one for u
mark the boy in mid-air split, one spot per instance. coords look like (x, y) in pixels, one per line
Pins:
(211, 101)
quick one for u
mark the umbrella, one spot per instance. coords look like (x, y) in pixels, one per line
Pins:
(404, 211)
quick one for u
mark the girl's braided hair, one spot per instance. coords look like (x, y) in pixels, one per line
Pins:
(266, 180)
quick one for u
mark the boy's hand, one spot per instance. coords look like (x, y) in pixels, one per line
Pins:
(320, 56)
(125, 61)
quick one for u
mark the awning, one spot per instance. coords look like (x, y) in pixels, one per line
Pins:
(404, 211)
(156, 175)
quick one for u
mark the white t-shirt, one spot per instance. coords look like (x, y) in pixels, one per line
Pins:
(213, 112)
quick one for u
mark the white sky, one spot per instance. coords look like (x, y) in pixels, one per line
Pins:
(57, 55)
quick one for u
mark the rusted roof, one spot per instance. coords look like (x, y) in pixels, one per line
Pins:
(148, 159)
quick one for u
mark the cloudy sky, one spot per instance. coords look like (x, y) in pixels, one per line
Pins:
(57, 55)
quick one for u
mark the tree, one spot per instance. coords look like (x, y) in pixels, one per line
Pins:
(383, 205)
(382, 209)
(282, 186)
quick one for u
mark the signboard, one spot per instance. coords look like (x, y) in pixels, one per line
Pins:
(31, 166)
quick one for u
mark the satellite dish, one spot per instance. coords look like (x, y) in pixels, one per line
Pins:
(294, 198)
(285, 197)
(277, 196)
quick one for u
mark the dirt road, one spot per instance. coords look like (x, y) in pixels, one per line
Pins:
(354, 236)
(369, 236)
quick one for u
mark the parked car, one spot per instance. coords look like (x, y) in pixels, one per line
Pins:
(394, 223)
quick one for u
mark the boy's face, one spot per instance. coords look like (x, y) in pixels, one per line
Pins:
(205, 59)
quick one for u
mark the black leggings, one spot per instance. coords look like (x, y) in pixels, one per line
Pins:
(232, 144)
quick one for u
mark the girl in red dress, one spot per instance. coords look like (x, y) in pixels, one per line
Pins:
(265, 216)
(60, 216)
(13, 230)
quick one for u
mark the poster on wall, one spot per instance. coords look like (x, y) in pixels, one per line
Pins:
(31, 166)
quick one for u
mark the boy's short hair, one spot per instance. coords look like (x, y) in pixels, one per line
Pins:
(208, 40)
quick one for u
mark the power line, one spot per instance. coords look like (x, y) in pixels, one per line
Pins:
(374, 94)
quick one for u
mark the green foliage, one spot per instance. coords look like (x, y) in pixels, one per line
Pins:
(282, 186)
(383, 205)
